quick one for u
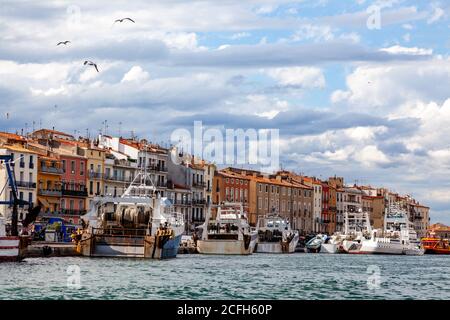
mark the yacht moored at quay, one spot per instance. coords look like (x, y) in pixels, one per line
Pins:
(229, 233)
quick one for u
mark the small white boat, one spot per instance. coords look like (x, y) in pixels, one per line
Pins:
(314, 244)
(275, 235)
(229, 233)
(331, 244)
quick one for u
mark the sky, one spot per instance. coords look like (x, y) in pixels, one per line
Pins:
(357, 88)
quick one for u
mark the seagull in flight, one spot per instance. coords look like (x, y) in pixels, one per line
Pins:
(121, 20)
(63, 42)
(90, 63)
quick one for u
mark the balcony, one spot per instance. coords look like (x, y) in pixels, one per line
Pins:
(182, 202)
(155, 167)
(53, 170)
(199, 184)
(49, 192)
(73, 212)
(198, 202)
(26, 184)
(161, 184)
(95, 175)
(117, 178)
(74, 193)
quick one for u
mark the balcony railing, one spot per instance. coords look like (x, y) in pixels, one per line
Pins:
(95, 175)
(161, 184)
(73, 212)
(198, 202)
(182, 202)
(51, 170)
(155, 167)
(199, 184)
(26, 184)
(49, 192)
(118, 178)
(74, 193)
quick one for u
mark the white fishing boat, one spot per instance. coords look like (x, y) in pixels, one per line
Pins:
(398, 237)
(139, 224)
(229, 233)
(9, 245)
(13, 245)
(331, 244)
(275, 235)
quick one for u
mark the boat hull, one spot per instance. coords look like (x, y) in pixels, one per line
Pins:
(277, 247)
(329, 248)
(150, 247)
(226, 247)
(389, 248)
(11, 249)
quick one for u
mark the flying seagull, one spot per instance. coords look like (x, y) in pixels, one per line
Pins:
(63, 42)
(91, 64)
(121, 20)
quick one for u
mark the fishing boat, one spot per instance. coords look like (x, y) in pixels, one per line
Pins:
(398, 236)
(275, 235)
(436, 245)
(229, 233)
(13, 245)
(139, 224)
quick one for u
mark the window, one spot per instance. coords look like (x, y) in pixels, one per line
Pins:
(30, 197)
(30, 177)
(232, 181)
(31, 164)
(63, 165)
(21, 176)
(71, 204)
(72, 166)
(260, 188)
(82, 168)
(259, 203)
(227, 180)
(267, 189)
(98, 187)
(91, 187)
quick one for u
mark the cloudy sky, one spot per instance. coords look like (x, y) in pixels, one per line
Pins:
(351, 97)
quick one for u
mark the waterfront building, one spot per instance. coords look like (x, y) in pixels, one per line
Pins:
(49, 183)
(209, 171)
(198, 187)
(153, 159)
(332, 209)
(95, 160)
(119, 172)
(325, 215)
(374, 205)
(181, 198)
(73, 186)
(352, 199)
(25, 173)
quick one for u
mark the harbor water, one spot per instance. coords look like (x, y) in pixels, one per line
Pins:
(259, 276)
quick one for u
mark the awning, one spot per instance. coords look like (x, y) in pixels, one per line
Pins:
(44, 202)
(53, 200)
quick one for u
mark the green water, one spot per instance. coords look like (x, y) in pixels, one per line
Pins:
(259, 276)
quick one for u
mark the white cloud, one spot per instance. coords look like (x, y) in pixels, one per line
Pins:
(136, 73)
(404, 50)
(240, 35)
(437, 14)
(305, 77)
(370, 156)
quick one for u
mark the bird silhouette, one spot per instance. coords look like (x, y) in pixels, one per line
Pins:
(63, 42)
(121, 20)
(90, 63)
